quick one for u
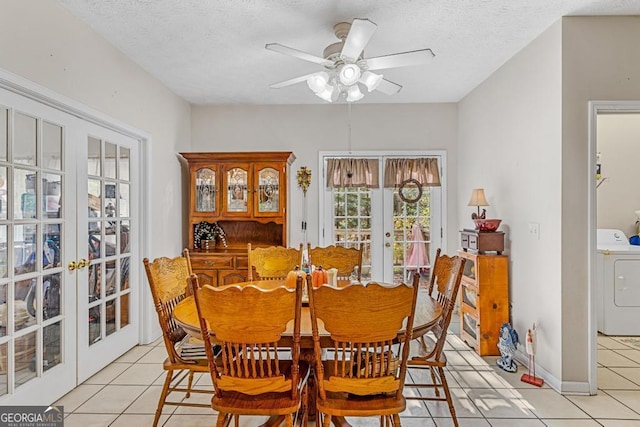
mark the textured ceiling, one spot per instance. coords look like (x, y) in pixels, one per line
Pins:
(212, 51)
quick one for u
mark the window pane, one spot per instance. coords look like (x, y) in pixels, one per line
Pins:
(109, 160)
(51, 146)
(124, 164)
(24, 143)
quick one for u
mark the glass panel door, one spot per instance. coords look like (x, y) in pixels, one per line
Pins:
(268, 191)
(398, 237)
(37, 299)
(408, 241)
(105, 222)
(237, 191)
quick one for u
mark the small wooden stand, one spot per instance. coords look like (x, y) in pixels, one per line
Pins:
(482, 241)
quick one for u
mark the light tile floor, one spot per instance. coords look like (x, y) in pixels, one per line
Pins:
(125, 393)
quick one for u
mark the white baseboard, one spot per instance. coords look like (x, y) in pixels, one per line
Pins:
(562, 387)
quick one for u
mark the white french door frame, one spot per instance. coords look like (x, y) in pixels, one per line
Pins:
(145, 317)
(377, 251)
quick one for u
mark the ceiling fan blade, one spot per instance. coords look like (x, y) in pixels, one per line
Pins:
(277, 47)
(405, 59)
(291, 81)
(358, 37)
(388, 87)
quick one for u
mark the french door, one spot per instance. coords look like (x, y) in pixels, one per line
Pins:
(106, 204)
(399, 235)
(47, 195)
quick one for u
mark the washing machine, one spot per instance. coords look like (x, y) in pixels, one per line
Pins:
(618, 284)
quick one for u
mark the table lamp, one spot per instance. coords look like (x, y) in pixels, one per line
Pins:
(478, 199)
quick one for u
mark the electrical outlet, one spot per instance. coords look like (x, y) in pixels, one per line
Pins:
(534, 230)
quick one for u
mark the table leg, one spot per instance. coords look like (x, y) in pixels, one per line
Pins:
(273, 421)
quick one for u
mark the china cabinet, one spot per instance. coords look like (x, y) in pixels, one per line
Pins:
(234, 199)
(484, 300)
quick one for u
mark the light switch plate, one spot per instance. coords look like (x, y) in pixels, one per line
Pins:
(534, 230)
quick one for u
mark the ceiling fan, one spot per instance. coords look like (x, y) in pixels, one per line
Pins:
(345, 67)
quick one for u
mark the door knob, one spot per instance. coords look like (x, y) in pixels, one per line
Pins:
(82, 263)
(72, 266)
(387, 244)
(387, 234)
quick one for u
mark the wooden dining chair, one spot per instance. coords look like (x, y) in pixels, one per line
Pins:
(366, 375)
(167, 279)
(249, 377)
(446, 277)
(345, 260)
(272, 263)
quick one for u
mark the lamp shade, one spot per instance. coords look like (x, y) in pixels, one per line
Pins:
(349, 74)
(478, 198)
(370, 80)
(353, 93)
(318, 82)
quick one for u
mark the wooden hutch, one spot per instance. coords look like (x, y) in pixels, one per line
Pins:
(246, 195)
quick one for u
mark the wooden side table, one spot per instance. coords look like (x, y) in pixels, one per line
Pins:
(482, 241)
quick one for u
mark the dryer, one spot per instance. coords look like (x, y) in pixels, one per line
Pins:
(618, 284)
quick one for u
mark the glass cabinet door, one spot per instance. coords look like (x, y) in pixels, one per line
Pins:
(237, 190)
(206, 190)
(268, 197)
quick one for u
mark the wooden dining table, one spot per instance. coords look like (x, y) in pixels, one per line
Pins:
(428, 312)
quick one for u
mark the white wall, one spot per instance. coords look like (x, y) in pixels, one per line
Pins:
(600, 62)
(44, 43)
(306, 130)
(510, 145)
(618, 139)
(41, 41)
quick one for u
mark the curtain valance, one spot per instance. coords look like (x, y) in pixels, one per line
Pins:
(424, 170)
(352, 172)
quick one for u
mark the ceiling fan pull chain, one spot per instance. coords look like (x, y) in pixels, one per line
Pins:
(349, 115)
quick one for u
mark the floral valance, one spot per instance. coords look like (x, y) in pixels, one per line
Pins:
(424, 170)
(352, 172)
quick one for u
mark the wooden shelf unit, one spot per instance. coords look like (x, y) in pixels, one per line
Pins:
(246, 194)
(484, 301)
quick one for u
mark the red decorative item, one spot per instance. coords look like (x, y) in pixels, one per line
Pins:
(530, 346)
(487, 224)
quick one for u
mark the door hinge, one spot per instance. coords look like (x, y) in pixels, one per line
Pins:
(441, 233)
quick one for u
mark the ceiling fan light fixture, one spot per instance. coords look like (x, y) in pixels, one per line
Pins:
(318, 82)
(354, 93)
(349, 74)
(327, 93)
(371, 80)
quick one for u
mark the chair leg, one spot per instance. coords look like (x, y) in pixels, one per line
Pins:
(288, 420)
(396, 420)
(163, 397)
(447, 393)
(436, 389)
(189, 384)
(223, 420)
(326, 420)
(305, 406)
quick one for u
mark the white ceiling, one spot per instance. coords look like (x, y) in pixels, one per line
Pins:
(212, 51)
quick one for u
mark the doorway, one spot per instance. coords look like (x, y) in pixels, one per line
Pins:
(605, 170)
(46, 188)
(399, 232)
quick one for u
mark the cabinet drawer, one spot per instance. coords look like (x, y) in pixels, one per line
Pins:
(242, 262)
(198, 263)
(473, 242)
